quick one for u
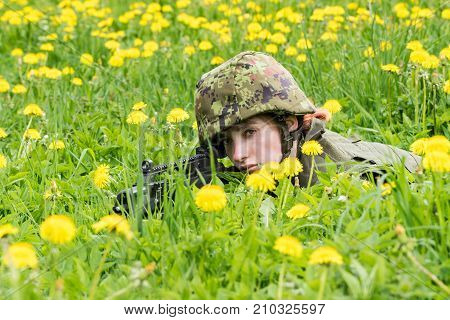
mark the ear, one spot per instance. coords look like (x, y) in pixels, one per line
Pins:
(292, 122)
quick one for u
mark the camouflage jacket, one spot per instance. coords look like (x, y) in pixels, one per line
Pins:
(353, 154)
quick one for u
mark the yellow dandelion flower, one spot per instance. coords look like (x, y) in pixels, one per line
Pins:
(17, 52)
(431, 62)
(4, 85)
(337, 65)
(264, 34)
(189, 50)
(139, 105)
(86, 59)
(51, 36)
(329, 36)
(7, 229)
(100, 176)
(31, 58)
(436, 161)
(445, 53)
(130, 53)
(19, 89)
(254, 27)
(32, 134)
(211, 198)
(390, 68)
(57, 145)
(402, 13)
(367, 185)
(419, 146)
(177, 115)
(304, 44)
(47, 47)
(260, 181)
(289, 245)
(290, 51)
(312, 148)
(291, 166)
(136, 117)
(3, 133)
(325, 255)
(418, 56)
(271, 48)
(447, 87)
(369, 53)
(195, 125)
(167, 8)
(414, 45)
(77, 81)
(112, 45)
(332, 105)
(52, 73)
(278, 38)
(445, 14)
(114, 223)
(301, 58)
(424, 13)
(437, 143)
(58, 229)
(33, 110)
(298, 211)
(20, 255)
(385, 45)
(275, 169)
(116, 61)
(217, 60)
(3, 161)
(205, 45)
(352, 6)
(181, 4)
(386, 188)
(68, 70)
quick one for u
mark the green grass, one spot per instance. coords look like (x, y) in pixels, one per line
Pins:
(229, 254)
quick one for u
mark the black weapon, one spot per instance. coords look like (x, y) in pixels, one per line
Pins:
(198, 169)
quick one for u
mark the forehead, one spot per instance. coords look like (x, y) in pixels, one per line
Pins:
(259, 120)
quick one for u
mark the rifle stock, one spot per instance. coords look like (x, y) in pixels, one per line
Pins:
(199, 171)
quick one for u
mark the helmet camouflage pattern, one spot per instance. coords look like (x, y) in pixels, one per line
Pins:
(246, 85)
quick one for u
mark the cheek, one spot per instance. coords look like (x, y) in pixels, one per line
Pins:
(244, 147)
(270, 146)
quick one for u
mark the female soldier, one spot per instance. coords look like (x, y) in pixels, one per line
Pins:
(251, 109)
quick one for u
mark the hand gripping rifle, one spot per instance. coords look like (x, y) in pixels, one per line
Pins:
(198, 169)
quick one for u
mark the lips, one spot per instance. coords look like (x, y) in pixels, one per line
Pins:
(250, 168)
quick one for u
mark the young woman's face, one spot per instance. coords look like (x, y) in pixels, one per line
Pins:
(253, 142)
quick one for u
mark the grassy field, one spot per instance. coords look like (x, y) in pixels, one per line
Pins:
(73, 70)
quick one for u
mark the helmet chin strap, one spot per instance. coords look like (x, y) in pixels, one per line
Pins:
(288, 138)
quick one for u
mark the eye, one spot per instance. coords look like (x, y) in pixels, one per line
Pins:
(249, 132)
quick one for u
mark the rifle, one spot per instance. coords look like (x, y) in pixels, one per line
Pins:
(198, 169)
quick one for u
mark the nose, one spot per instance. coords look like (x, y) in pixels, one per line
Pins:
(239, 152)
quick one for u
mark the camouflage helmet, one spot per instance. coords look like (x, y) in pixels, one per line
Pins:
(246, 85)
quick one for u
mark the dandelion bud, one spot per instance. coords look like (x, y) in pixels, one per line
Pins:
(399, 230)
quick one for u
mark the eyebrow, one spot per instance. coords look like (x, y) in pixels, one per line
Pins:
(251, 121)
(246, 122)
(239, 126)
